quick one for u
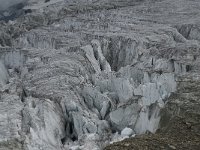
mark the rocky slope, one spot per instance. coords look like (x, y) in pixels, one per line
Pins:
(74, 75)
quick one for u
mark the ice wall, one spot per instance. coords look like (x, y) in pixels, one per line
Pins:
(3, 74)
(12, 58)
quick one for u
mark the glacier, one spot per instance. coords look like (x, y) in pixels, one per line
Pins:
(75, 75)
